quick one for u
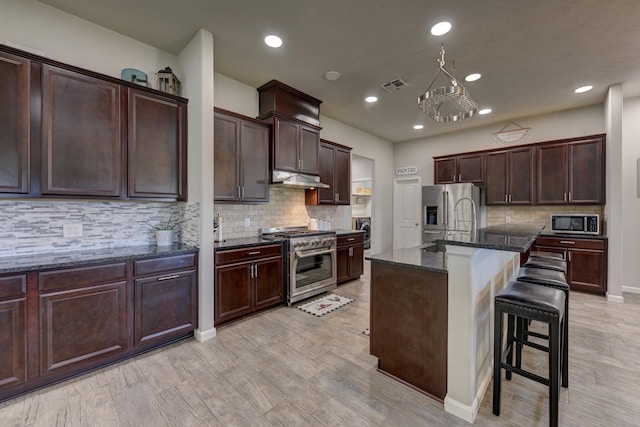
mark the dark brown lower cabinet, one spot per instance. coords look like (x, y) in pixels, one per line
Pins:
(586, 261)
(247, 280)
(55, 324)
(13, 331)
(350, 257)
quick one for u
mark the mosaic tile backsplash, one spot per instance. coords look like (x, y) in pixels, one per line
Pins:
(31, 227)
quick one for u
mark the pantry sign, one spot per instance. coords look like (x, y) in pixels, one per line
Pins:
(407, 170)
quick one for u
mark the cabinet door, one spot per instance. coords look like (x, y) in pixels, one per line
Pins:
(327, 172)
(587, 270)
(82, 326)
(309, 147)
(254, 162)
(445, 170)
(342, 177)
(157, 147)
(520, 178)
(285, 144)
(357, 261)
(551, 176)
(14, 124)
(342, 264)
(471, 168)
(268, 282)
(226, 156)
(82, 150)
(496, 178)
(165, 307)
(233, 292)
(13, 342)
(586, 172)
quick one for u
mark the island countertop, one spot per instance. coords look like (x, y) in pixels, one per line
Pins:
(501, 237)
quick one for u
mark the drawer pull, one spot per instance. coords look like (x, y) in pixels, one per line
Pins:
(567, 242)
(254, 253)
(173, 276)
(351, 239)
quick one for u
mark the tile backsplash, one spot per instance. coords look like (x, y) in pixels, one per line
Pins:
(28, 227)
(537, 214)
(286, 208)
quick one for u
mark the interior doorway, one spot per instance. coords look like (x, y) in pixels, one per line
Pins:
(362, 195)
(407, 203)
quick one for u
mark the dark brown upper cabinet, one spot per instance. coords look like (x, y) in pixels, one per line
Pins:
(241, 158)
(82, 149)
(335, 170)
(571, 171)
(509, 178)
(295, 120)
(157, 147)
(14, 123)
(70, 132)
(459, 168)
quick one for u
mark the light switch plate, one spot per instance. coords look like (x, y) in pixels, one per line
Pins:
(72, 230)
(247, 222)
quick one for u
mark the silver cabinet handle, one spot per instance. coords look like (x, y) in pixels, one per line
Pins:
(251, 271)
(570, 196)
(564, 197)
(351, 239)
(509, 197)
(506, 198)
(459, 177)
(567, 242)
(254, 253)
(569, 256)
(242, 192)
(255, 270)
(171, 277)
(350, 251)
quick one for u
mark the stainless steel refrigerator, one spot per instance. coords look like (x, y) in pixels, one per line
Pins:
(450, 208)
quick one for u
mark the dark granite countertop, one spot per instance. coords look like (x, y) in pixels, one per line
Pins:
(44, 261)
(340, 232)
(424, 257)
(502, 237)
(243, 242)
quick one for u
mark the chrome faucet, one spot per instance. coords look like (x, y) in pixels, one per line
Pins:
(473, 214)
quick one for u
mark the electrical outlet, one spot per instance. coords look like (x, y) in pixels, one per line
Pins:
(507, 219)
(72, 230)
(247, 222)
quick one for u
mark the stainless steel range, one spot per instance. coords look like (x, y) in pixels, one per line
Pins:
(311, 259)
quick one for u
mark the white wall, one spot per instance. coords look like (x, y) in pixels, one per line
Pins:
(234, 96)
(630, 200)
(72, 40)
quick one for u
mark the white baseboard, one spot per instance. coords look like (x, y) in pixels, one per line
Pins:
(466, 412)
(203, 336)
(631, 289)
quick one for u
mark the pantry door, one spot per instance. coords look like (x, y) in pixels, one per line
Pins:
(407, 202)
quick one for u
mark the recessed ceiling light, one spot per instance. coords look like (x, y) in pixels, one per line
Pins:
(273, 41)
(484, 111)
(583, 89)
(371, 99)
(418, 127)
(473, 77)
(332, 75)
(440, 28)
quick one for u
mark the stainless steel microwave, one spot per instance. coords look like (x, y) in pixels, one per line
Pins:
(575, 223)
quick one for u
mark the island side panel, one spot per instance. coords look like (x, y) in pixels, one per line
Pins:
(409, 325)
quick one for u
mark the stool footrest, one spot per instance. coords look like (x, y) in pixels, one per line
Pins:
(510, 368)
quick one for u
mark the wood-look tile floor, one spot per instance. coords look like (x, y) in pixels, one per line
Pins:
(285, 367)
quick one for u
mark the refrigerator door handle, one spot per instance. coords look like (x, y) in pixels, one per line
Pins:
(445, 201)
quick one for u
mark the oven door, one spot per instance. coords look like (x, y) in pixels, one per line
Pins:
(311, 272)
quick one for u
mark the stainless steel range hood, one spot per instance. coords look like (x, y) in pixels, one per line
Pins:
(295, 179)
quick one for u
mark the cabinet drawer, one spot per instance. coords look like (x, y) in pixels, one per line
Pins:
(350, 239)
(564, 242)
(160, 265)
(246, 254)
(83, 276)
(13, 286)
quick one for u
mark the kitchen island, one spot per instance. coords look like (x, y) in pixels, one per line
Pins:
(432, 311)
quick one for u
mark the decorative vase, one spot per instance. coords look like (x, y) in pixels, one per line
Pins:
(164, 237)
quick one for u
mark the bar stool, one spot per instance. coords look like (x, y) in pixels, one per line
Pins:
(552, 279)
(533, 302)
(547, 263)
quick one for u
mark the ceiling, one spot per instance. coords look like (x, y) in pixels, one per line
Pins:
(531, 54)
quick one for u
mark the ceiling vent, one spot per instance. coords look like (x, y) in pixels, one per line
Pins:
(394, 85)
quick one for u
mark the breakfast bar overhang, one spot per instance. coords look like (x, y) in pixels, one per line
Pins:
(476, 266)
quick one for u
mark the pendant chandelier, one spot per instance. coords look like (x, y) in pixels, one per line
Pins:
(447, 103)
